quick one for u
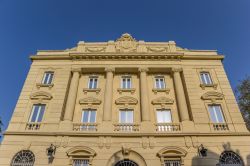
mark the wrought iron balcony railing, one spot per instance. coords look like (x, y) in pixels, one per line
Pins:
(219, 126)
(33, 126)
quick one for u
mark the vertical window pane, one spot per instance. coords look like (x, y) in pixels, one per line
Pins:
(92, 116)
(85, 116)
(90, 83)
(34, 113)
(128, 83)
(122, 117)
(212, 114)
(41, 112)
(95, 83)
(123, 83)
(129, 116)
(220, 118)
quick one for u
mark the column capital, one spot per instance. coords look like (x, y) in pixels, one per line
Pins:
(76, 70)
(143, 69)
(110, 69)
(176, 69)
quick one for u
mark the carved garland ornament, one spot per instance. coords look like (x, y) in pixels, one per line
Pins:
(126, 100)
(162, 100)
(212, 95)
(90, 100)
(41, 95)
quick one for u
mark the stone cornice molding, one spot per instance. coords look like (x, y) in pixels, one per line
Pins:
(177, 69)
(79, 70)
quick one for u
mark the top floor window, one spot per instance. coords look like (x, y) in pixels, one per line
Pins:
(216, 115)
(159, 82)
(126, 116)
(126, 82)
(92, 82)
(206, 78)
(37, 113)
(48, 77)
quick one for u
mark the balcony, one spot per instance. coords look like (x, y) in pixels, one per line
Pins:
(85, 126)
(33, 126)
(167, 127)
(219, 126)
(126, 127)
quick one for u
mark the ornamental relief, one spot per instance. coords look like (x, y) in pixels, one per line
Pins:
(95, 49)
(126, 43)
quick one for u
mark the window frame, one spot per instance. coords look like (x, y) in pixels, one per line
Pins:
(159, 77)
(38, 114)
(89, 115)
(126, 110)
(203, 77)
(49, 79)
(94, 78)
(126, 77)
(162, 110)
(221, 111)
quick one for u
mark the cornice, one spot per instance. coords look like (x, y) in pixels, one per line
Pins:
(91, 134)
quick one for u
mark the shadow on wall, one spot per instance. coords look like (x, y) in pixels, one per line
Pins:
(213, 158)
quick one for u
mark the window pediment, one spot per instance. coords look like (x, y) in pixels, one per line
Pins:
(126, 100)
(172, 152)
(90, 100)
(212, 95)
(162, 100)
(41, 95)
(81, 151)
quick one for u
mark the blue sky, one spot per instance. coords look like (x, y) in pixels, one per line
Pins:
(30, 25)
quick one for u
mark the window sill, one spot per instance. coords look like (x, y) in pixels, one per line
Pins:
(86, 90)
(203, 86)
(39, 85)
(166, 90)
(131, 90)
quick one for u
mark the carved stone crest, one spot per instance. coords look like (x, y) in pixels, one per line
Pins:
(126, 43)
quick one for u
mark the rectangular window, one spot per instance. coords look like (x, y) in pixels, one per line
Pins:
(206, 78)
(172, 163)
(89, 116)
(159, 82)
(92, 82)
(37, 113)
(126, 116)
(216, 114)
(164, 116)
(48, 77)
(126, 82)
(80, 162)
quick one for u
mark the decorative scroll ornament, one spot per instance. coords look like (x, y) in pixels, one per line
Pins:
(41, 95)
(126, 100)
(212, 95)
(162, 100)
(90, 100)
(126, 43)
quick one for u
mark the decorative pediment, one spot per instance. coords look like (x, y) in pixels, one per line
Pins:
(41, 95)
(162, 100)
(172, 151)
(81, 151)
(90, 100)
(212, 95)
(126, 43)
(126, 100)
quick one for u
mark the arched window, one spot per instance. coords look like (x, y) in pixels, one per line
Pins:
(228, 158)
(126, 163)
(23, 158)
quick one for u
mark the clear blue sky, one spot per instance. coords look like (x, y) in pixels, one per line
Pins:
(30, 25)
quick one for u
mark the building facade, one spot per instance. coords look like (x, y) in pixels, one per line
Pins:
(126, 103)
